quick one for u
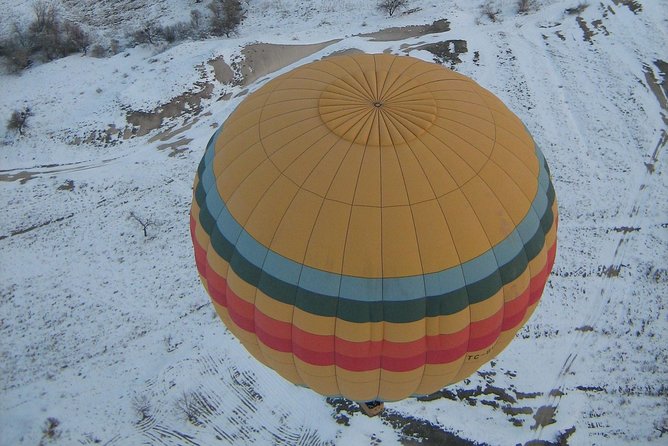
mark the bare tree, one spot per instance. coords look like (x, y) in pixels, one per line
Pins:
(16, 50)
(195, 19)
(142, 407)
(144, 223)
(46, 16)
(189, 405)
(217, 18)
(226, 16)
(197, 27)
(44, 31)
(148, 33)
(391, 6)
(21, 35)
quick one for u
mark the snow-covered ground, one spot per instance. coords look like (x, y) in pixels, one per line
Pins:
(106, 335)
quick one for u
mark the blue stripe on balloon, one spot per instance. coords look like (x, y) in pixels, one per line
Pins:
(373, 289)
(313, 280)
(361, 288)
(288, 272)
(507, 251)
(443, 282)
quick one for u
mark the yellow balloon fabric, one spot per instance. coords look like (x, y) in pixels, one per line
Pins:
(373, 226)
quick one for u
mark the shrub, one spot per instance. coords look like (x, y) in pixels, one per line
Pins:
(98, 51)
(153, 33)
(19, 120)
(115, 46)
(16, 51)
(579, 9)
(76, 39)
(142, 407)
(45, 38)
(526, 6)
(169, 33)
(391, 6)
(50, 430)
(490, 10)
(179, 31)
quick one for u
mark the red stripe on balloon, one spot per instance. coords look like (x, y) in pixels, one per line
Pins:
(514, 311)
(200, 252)
(322, 350)
(538, 281)
(447, 355)
(216, 285)
(241, 312)
(486, 331)
(490, 325)
(482, 342)
(370, 355)
(551, 254)
(271, 338)
(283, 336)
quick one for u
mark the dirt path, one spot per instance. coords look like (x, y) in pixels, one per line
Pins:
(261, 59)
(407, 32)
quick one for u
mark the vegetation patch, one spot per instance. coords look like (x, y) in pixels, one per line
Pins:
(18, 121)
(47, 37)
(633, 5)
(446, 52)
(544, 416)
(588, 33)
(577, 10)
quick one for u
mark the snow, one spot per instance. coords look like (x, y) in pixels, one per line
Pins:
(110, 332)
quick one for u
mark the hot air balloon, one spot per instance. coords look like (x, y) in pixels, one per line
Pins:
(373, 226)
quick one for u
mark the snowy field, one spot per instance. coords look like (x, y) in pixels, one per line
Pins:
(107, 336)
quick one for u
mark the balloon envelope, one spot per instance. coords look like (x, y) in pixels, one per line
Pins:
(373, 226)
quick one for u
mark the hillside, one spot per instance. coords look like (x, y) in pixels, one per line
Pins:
(108, 336)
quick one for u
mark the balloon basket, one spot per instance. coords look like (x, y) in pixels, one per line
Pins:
(372, 408)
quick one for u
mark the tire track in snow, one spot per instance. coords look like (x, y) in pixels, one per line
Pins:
(221, 403)
(548, 407)
(517, 82)
(24, 174)
(602, 289)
